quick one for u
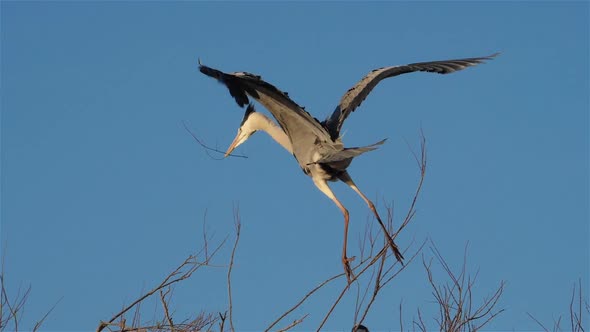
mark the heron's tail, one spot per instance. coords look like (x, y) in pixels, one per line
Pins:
(348, 153)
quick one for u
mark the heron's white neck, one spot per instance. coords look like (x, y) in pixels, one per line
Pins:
(260, 121)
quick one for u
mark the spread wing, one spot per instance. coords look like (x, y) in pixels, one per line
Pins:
(355, 95)
(302, 129)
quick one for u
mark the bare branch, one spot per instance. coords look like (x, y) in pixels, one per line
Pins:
(182, 272)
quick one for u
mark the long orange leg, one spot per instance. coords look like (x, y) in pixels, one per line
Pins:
(323, 187)
(345, 177)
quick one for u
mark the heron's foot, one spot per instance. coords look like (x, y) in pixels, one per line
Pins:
(398, 255)
(347, 270)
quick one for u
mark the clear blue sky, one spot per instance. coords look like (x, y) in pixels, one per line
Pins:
(104, 192)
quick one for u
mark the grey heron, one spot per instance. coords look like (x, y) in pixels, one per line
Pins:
(317, 146)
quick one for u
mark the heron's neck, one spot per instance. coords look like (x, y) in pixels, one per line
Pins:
(267, 125)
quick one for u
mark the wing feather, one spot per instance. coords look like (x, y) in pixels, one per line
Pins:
(355, 95)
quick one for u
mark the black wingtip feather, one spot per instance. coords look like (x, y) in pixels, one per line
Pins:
(210, 71)
(235, 90)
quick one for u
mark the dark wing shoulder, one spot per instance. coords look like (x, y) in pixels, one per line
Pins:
(232, 83)
(355, 95)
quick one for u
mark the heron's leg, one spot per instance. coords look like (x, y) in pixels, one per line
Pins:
(323, 187)
(345, 177)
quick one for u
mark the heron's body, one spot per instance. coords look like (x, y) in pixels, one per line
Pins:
(314, 163)
(316, 145)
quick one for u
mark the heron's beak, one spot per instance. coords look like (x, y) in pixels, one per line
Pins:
(240, 138)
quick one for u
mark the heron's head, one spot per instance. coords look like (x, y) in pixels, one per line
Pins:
(360, 328)
(247, 128)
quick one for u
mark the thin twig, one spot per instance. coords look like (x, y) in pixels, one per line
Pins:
(538, 323)
(322, 284)
(165, 308)
(238, 226)
(40, 322)
(222, 318)
(14, 307)
(422, 166)
(401, 320)
(205, 241)
(421, 325)
(207, 148)
(294, 323)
